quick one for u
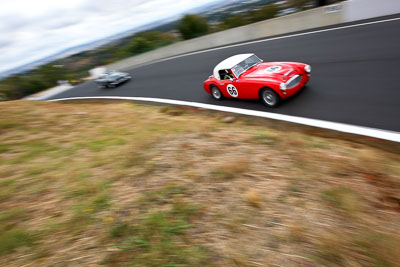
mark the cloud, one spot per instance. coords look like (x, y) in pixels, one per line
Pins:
(4, 43)
(31, 30)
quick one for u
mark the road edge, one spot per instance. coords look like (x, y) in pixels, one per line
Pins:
(336, 126)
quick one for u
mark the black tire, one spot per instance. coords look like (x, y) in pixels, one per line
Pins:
(216, 93)
(270, 98)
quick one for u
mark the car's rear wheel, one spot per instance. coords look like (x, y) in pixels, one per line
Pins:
(216, 93)
(269, 97)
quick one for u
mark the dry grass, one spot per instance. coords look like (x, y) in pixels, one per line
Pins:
(343, 199)
(298, 232)
(365, 248)
(157, 186)
(253, 197)
(231, 168)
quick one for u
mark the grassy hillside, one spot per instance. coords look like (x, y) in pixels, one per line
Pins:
(123, 184)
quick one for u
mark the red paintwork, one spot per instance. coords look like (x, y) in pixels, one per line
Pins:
(254, 79)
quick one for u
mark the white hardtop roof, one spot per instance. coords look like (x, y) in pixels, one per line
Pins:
(229, 63)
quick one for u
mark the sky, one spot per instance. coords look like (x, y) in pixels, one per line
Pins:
(33, 29)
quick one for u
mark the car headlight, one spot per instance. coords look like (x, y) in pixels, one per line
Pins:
(307, 68)
(283, 86)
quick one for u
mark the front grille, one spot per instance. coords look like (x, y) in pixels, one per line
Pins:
(293, 81)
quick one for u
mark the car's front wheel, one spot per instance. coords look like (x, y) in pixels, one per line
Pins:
(216, 93)
(269, 97)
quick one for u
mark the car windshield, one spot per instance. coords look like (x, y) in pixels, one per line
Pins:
(245, 65)
(114, 75)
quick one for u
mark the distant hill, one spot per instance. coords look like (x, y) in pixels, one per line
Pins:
(83, 47)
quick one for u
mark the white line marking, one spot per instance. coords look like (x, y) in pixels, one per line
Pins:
(269, 39)
(341, 127)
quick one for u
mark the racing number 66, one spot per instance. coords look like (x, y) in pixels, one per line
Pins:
(232, 90)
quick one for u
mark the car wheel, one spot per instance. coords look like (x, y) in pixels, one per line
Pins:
(216, 93)
(270, 98)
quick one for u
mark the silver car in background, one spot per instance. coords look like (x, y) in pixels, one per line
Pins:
(112, 79)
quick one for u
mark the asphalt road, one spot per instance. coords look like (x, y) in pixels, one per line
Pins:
(355, 76)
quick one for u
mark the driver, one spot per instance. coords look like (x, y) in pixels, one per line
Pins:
(228, 75)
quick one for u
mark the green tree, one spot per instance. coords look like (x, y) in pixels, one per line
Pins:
(146, 41)
(266, 12)
(192, 26)
(233, 21)
(49, 74)
(117, 53)
(21, 85)
(139, 45)
(8, 88)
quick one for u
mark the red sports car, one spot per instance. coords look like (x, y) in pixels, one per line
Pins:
(245, 76)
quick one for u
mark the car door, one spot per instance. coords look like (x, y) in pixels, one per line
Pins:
(243, 87)
(235, 88)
